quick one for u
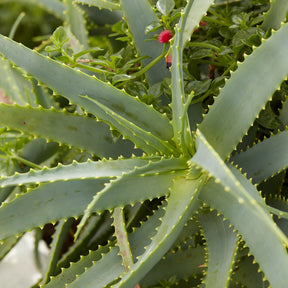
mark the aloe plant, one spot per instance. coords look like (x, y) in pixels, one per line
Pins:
(116, 145)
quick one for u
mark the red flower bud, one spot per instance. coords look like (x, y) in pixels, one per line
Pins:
(165, 36)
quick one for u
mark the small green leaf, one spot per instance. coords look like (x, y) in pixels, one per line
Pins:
(155, 25)
(165, 6)
(51, 48)
(59, 37)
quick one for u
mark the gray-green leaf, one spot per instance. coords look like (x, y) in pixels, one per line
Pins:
(165, 6)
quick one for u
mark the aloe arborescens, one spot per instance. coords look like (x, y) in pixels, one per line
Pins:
(206, 223)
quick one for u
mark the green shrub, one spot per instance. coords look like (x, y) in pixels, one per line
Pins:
(163, 177)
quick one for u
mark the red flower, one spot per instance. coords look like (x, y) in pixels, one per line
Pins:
(165, 36)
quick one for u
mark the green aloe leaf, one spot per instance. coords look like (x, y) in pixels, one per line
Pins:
(59, 237)
(276, 15)
(139, 238)
(247, 273)
(72, 83)
(248, 84)
(135, 180)
(145, 139)
(7, 244)
(54, 6)
(165, 6)
(101, 4)
(235, 201)
(74, 171)
(75, 130)
(122, 237)
(139, 14)
(49, 202)
(182, 203)
(264, 159)
(76, 22)
(192, 15)
(221, 244)
(188, 262)
(112, 260)
(13, 84)
(99, 258)
(256, 235)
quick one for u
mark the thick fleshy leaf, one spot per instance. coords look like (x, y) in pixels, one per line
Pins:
(74, 171)
(135, 180)
(264, 159)
(76, 22)
(188, 262)
(59, 237)
(237, 203)
(13, 83)
(101, 4)
(221, 245)
(71, 83)
(248, 84)
(192, 15)
(54, 6)
(139, 14)
(57, 200)
(75, 130)
(93, 270)
(182, 203)
(276, 15)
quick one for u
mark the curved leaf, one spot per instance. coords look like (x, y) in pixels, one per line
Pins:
(13, 83)
(264, 159)
(135, 180)
(59, 237)
(76, 22)
(75, 130)
(48, 203)
(221, 244)
(92, 277)
(89, 169)
(71, 83)
(188, 262)
(182, 203)
(276, 15)
(229, 196)
(248, 84)
(54, 6)
(191, 17)
(101, 4)
(139, 14)
(147, 140)
(57, 200)
(247, 273)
